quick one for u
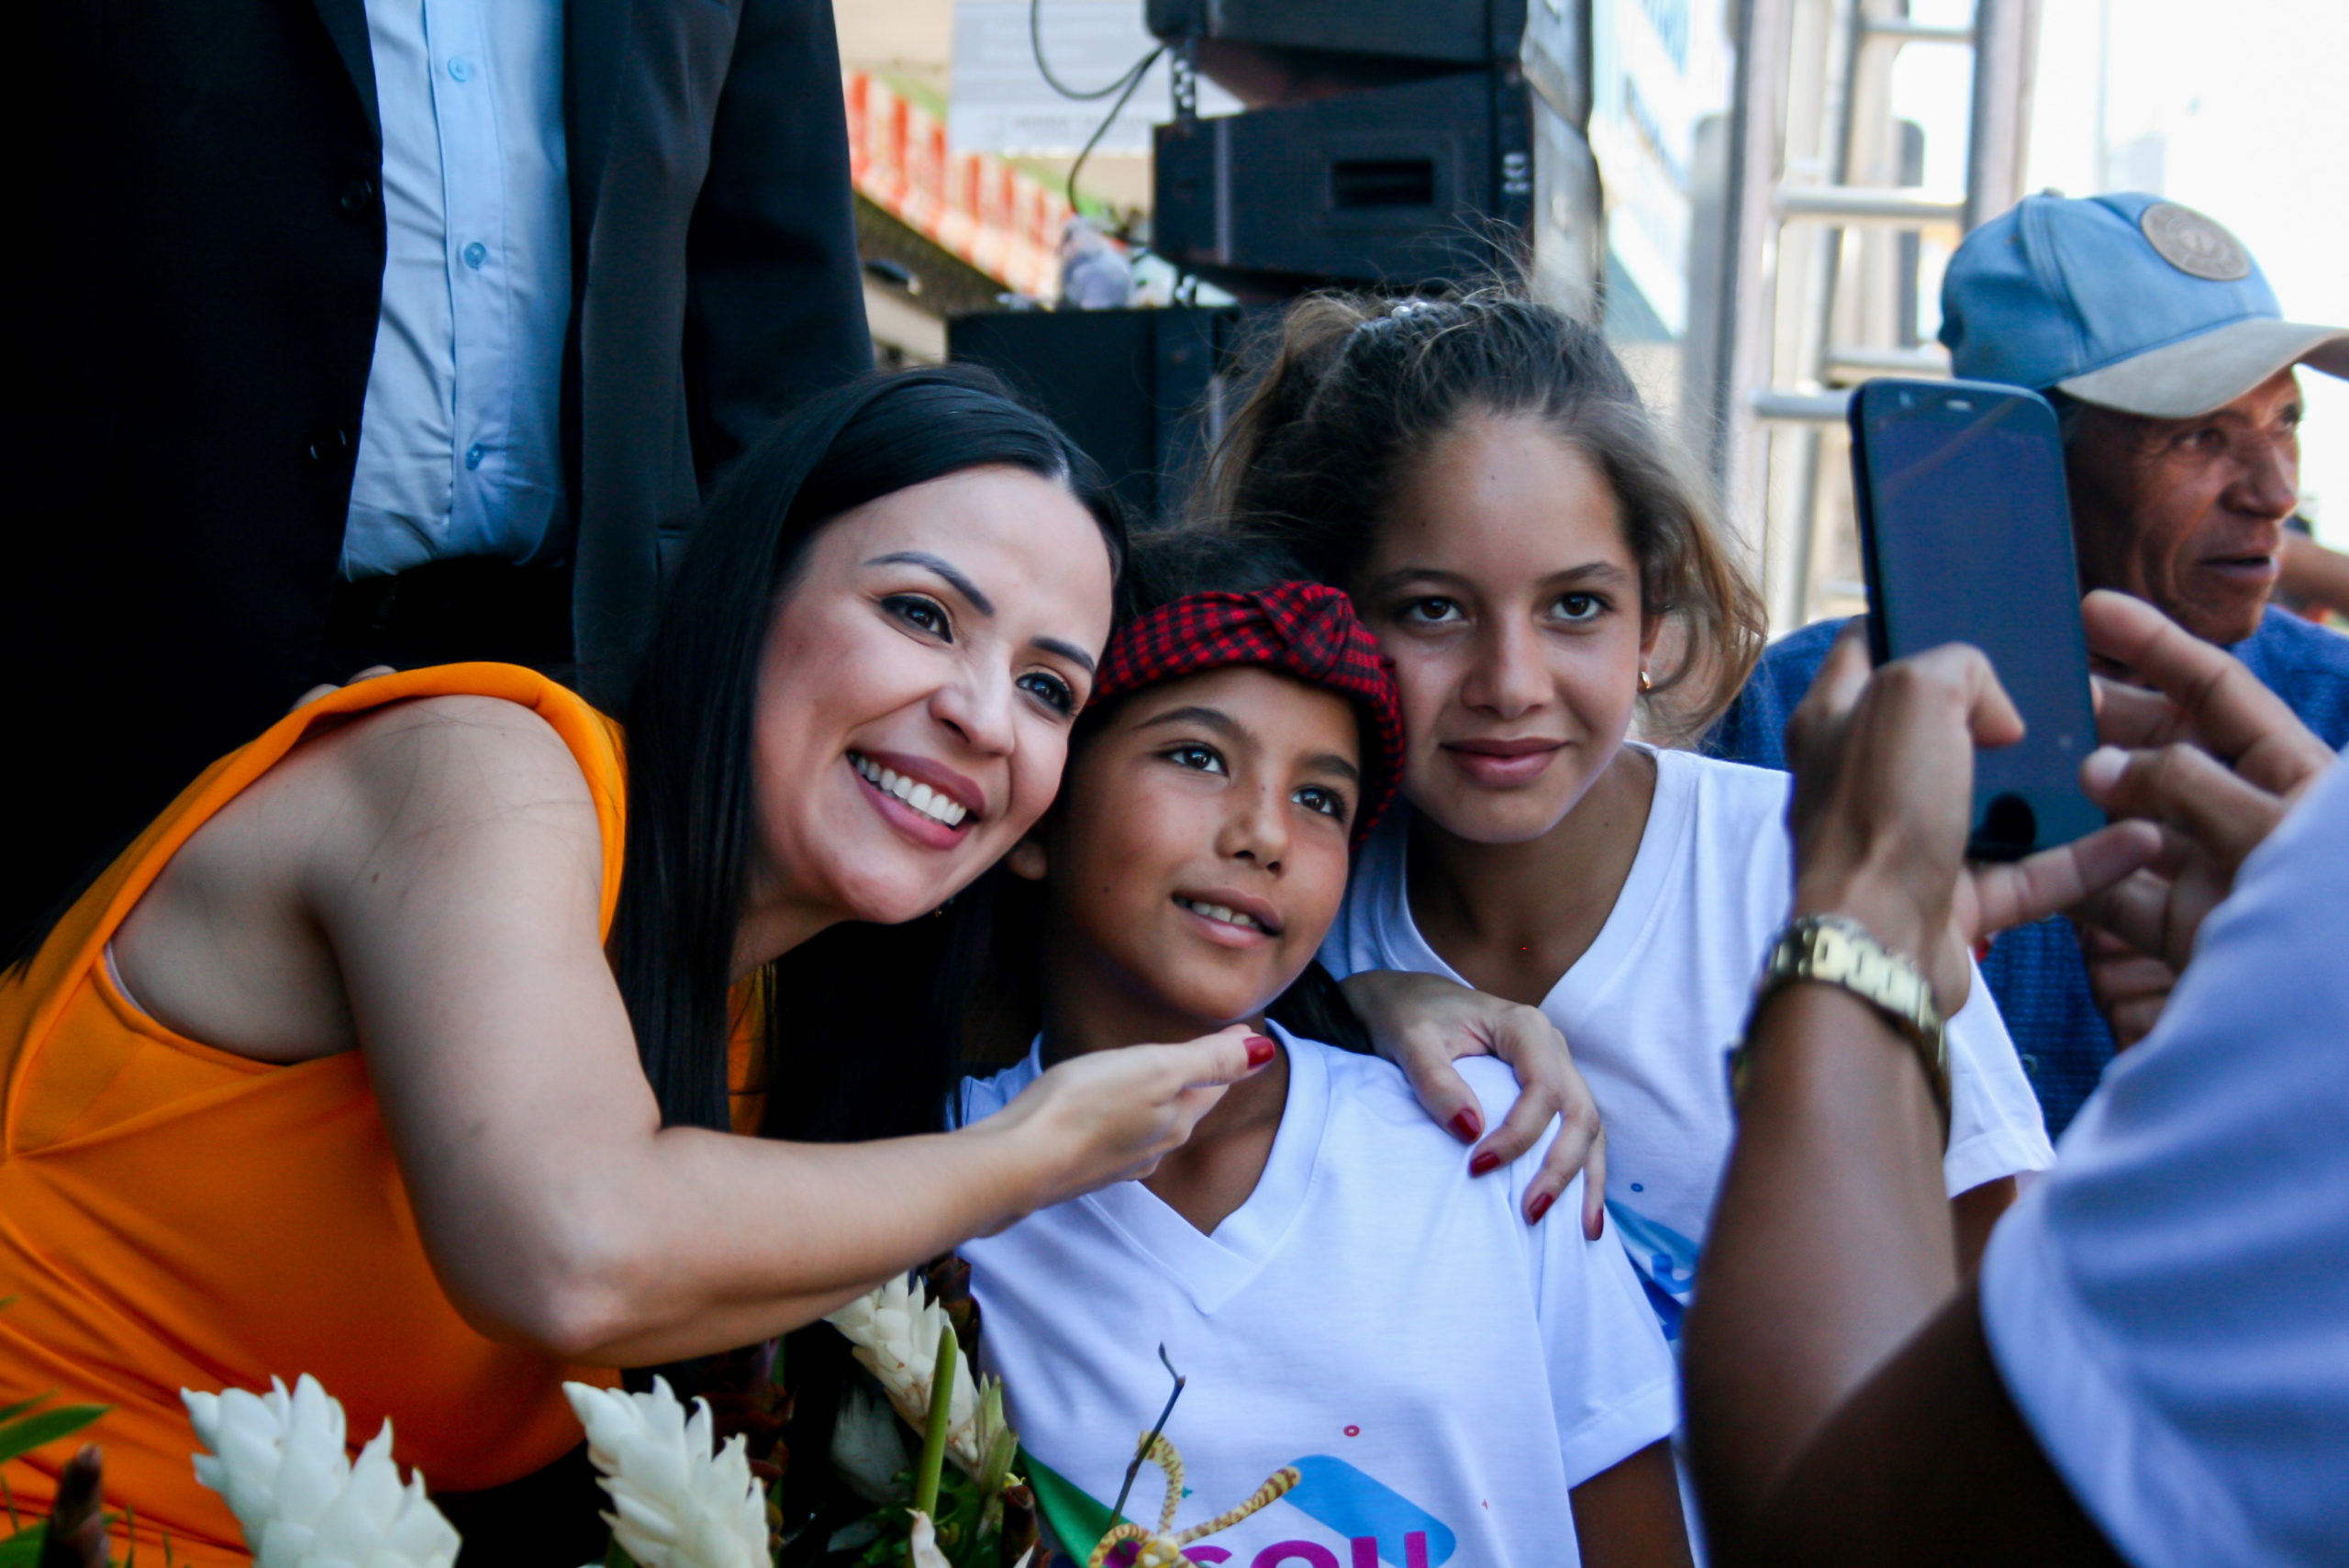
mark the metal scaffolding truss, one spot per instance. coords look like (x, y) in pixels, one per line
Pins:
(1816, 275)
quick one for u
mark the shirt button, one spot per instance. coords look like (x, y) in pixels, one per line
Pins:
(476, 254)
(461, 69)
(474, 453)
(358, 196)
(329, 444)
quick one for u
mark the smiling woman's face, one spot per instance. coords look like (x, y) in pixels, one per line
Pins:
(915, 694)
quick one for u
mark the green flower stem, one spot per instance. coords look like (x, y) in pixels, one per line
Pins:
(933, 1434)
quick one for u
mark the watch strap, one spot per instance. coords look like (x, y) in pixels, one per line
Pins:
(1832, 950)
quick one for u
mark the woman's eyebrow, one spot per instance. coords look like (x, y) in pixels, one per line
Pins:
(1330, 762)
(944, 568)
(978, 599)
(1068, 651)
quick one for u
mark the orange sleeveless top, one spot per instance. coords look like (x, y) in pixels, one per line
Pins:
(173, 1216)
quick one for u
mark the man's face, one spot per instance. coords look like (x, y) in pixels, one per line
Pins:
(2190, 513)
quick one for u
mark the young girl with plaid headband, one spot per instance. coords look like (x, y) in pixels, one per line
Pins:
(1480, 476)
(1423, 1377)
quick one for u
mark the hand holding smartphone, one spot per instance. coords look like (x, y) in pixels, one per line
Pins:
(1966, 536)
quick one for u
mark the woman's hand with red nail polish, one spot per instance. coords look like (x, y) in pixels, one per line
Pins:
(1423, 1023)
(1111, 1116)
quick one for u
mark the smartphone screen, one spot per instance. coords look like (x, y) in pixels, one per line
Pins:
(1966, 533)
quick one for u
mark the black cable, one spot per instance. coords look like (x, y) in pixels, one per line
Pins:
(1134, 81)
(1036, 47)
(1124, 87)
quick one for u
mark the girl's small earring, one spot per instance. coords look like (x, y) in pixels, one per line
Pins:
(1645, 685)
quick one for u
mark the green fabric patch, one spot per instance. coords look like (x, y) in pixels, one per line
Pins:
(1074, 1518)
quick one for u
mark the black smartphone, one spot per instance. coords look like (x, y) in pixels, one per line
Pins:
(1966, 536)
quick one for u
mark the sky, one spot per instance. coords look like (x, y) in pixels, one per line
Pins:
(2248, 103)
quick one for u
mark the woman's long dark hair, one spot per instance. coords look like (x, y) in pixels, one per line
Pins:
(850, 1052)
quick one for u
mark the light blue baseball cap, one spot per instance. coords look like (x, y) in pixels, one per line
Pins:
(2126, 301)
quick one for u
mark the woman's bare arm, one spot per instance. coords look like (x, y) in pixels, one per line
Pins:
(448, 855)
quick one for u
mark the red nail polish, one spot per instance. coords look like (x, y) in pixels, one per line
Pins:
(1483, 1163)
(1538, 1207)
(1259, 1049)
(1469, 1124)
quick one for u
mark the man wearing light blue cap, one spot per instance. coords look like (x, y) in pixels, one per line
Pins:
(2152, 330)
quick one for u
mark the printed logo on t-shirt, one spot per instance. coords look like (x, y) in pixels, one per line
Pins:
(1378, 1524)
(1665, 1261)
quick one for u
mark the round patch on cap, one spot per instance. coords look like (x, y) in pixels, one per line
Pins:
(2194, 244)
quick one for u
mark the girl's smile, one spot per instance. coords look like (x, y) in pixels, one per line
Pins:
(1234, 918)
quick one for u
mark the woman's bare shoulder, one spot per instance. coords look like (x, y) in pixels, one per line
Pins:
(474, 779)
(451, 759)
(431, 804)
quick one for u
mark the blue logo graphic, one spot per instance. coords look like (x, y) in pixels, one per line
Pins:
(1363, 1509)
(1666, 1263)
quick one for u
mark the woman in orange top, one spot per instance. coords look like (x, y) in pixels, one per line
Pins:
(384, 1055)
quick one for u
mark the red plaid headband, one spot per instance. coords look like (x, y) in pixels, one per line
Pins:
(1303, 629)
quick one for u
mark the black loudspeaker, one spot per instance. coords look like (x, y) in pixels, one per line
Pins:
(1136, 389)
(1285, 52)
(1415, 184)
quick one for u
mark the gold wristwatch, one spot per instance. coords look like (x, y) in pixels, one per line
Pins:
(1836, 952)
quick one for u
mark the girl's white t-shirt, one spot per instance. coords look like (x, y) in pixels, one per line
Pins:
(1440, 1373)
(1652, 1008)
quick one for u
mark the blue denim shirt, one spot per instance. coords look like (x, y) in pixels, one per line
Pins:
(2036, 972)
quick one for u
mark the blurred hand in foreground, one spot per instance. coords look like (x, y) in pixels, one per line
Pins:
(2130, 988)
(1883, 782)
(2197, 746)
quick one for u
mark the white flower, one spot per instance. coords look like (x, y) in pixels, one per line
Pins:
(278, 1460)
(674, 1506)
(921, 1545)
(895, 1331)
(866, 1448)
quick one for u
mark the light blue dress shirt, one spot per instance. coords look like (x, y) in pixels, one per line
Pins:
(459, 445)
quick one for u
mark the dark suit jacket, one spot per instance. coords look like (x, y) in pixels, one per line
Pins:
(196, 196)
